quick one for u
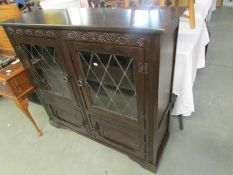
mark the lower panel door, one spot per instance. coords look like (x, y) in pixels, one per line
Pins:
(124, 139)
(64, 112)
(70, 118)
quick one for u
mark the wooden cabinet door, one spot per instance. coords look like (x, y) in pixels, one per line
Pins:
(126, 139)
(112, 89)
(110, 81)
(50, 74)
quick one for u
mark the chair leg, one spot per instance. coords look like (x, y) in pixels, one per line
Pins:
(23, 106)
(181, 125)
(162, 3)
(126, 3)
(191, 14)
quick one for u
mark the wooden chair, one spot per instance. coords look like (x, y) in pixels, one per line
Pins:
(8, 11)
(191, 15)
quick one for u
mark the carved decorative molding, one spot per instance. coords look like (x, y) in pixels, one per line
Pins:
(100, 37)
(19, 31)
(50, 34)
(32, 32)
(39, 33)
(10, 30)
(106, 37)
(29, 32)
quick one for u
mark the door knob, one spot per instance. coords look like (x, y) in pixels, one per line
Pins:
(66, 78)
(80, 83)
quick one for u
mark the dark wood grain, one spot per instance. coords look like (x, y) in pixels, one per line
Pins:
(148, 36)
(152, 20)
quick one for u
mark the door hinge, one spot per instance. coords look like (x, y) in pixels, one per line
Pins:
(146, 153)
(143, 67)
(144, 117)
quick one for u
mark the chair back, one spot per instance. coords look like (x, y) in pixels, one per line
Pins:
(7, 12)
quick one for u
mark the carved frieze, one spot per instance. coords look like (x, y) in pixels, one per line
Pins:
(106, 37)
(88, 36)
(32, 32)
(10, 30)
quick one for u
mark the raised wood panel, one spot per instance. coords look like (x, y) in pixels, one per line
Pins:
(122, 138)
(69, 117)
(7, 12)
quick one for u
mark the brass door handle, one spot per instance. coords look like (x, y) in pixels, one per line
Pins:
(80, 83)
(66, 78)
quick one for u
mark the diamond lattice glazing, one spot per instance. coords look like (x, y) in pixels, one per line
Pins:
(111, 81)
(46, 68)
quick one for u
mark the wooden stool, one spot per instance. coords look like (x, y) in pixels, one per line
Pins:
(191, 15)
(14, 84)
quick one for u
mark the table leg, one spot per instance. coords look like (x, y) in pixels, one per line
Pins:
(181, 125)
(23, 106)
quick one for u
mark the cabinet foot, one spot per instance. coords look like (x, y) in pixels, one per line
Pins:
(56, 125)
(148, 166)
(23, 106)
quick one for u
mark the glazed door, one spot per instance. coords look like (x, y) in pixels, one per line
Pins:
(48, 68)
(110, 82)
(112, 89)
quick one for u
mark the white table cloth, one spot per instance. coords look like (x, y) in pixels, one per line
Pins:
(190, 56)
(203, 8)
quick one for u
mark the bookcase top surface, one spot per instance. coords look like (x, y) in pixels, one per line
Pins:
(154, 20)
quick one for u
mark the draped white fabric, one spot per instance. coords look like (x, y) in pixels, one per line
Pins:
(190, 56)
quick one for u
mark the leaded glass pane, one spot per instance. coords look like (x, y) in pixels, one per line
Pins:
(46, 68)
(111, 81)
